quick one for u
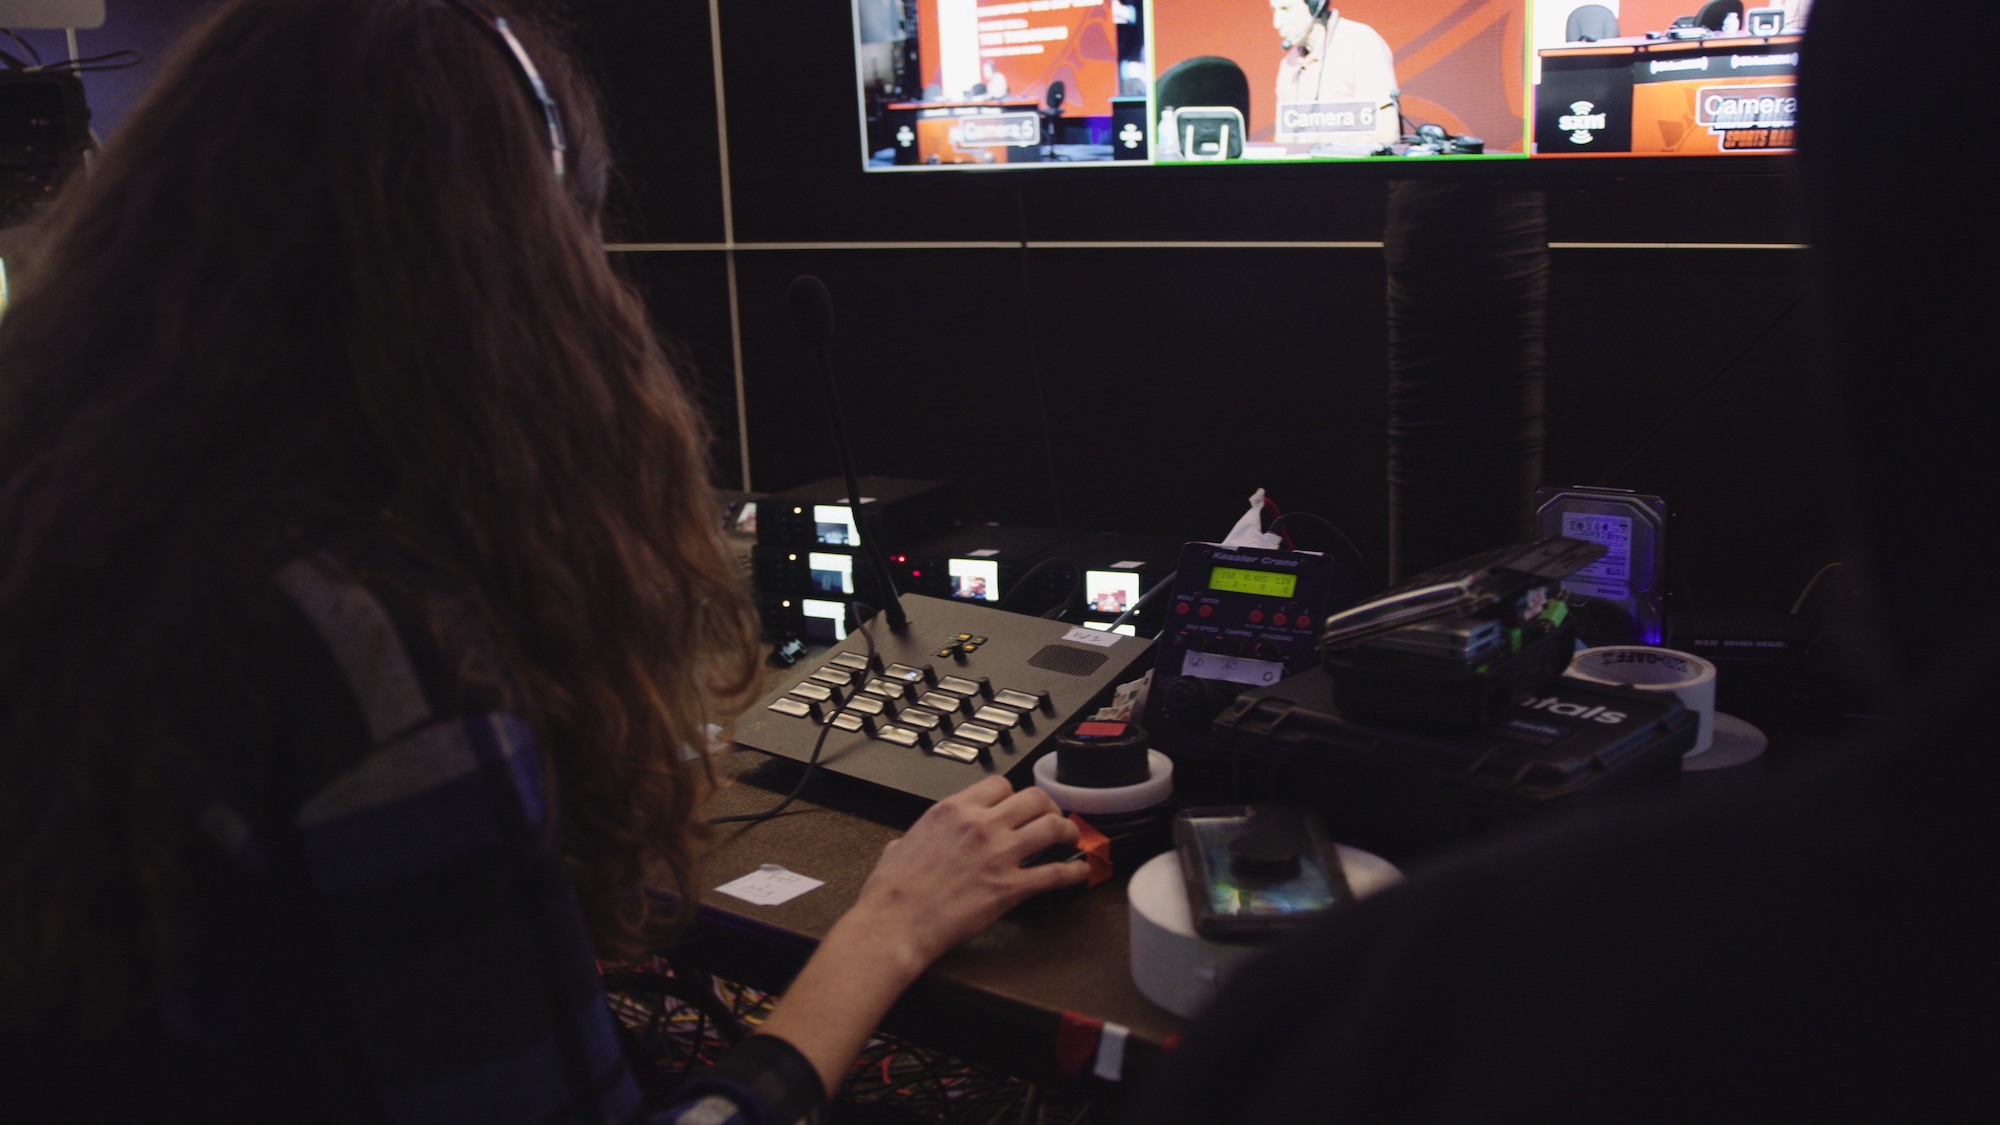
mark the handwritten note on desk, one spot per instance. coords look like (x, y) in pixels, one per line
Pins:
(770, 885)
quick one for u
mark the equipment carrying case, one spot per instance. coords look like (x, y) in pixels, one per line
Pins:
(1405, 792)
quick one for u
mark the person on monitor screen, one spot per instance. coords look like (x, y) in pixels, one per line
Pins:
(1796, 946)
(993, 78)
(365, 614)
(1331, 60)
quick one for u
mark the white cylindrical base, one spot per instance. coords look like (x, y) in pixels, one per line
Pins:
(1179, 969)
(1158, 786)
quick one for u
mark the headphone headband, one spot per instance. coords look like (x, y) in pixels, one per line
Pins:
(531, 79)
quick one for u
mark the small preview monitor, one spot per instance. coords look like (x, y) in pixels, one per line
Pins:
(825, 621)
(1110, 591)
(831, 573)
(833, 525)
(974, 579)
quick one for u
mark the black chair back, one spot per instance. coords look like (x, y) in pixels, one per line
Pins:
(1590, 23)
(1714, 12)
(1205, 80)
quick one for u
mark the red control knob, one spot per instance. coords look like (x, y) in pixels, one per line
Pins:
(1207, 611)
(1181, 608)
(1304, 623)
(1257, 616)
(1277, 619)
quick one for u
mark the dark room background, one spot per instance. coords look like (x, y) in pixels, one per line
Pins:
(1138, 350)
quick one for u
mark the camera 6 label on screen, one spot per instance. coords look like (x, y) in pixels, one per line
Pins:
(1312, 121)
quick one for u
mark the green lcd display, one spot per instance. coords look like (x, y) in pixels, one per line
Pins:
(1237, 580)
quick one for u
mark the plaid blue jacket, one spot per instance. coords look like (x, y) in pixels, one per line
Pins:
(380, 927)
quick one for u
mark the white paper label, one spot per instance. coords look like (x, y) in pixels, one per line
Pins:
(1084, 636)
(770, 885)
(1611, 575)
(1232, 669)
(1111, 1051)
(982, 553)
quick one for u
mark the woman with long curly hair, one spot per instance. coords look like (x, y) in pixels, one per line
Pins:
(363, 613)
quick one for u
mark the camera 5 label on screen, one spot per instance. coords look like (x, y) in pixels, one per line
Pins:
(1019, 130)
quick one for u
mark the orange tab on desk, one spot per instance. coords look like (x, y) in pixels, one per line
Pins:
(1096, 849)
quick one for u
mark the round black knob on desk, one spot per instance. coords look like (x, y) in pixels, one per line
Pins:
(1101, 755)
(1265, 852)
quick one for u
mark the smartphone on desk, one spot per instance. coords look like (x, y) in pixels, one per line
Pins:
(1254, 870)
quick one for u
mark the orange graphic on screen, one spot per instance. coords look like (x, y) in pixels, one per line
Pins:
(1458, 63)
(1033, 44)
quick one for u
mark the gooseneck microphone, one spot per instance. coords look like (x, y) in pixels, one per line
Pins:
(812, 319)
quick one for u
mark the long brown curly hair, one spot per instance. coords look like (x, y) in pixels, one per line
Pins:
(326, 277)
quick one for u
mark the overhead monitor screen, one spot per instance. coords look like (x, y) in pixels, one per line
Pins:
(1037, 83)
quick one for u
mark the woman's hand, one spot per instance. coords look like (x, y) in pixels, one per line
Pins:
(959, 869)
(953, 874)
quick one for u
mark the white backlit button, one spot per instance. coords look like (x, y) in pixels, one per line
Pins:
(796, 708)
(1000, 718)
(1018, 700)
(956, 750)
(806, 689)
(945, 702)
(900, 736)
(898, 690)
(976, 734)
(923, 720)
(907, 673)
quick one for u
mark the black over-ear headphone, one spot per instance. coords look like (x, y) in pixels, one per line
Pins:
(531, 78)
(1317, 8)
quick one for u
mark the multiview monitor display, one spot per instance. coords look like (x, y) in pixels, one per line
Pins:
(1038, 83)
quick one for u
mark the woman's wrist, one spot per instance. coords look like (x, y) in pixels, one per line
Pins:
(893, 950)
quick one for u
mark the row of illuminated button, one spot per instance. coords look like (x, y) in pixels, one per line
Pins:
(966, 716)
(1255, 616)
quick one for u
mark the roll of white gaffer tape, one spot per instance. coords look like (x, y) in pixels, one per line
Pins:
(1681, 674)
(1179, 969)
(1158, 786)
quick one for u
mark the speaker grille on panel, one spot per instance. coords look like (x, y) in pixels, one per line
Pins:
(1068, 661)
